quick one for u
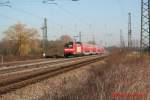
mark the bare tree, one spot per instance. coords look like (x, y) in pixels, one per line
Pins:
(21, 38)
(65, 38)
(57, 47)
(91, 42)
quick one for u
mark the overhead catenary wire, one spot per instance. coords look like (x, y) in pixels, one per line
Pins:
(33, 15)
(58, 0)
(11, 18)
(7, 3)
(3, 3)
(28, 13)
(38, 17)
(80, 20)
(7, 17)
(121, 8)
(19, 10)
(123, 14)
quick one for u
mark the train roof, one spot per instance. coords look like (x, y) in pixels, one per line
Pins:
(87, 44)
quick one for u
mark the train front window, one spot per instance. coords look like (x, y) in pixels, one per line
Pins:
(69, 45)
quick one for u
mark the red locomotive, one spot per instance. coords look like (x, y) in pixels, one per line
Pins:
(79, 49)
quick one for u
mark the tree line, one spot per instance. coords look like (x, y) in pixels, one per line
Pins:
(21, 40)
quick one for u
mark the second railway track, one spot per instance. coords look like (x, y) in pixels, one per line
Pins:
(34, 64)
(23, 78)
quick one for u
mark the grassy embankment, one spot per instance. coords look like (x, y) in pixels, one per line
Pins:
(122, 76)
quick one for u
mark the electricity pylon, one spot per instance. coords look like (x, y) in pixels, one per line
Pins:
(145, 25)
(129, 32)
(122, 43)
(45, 39)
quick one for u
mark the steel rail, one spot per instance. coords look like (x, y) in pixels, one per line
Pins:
(32, 77)
(15, 63)
(16, 68)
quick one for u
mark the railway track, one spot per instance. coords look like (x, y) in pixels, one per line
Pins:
(17, 79)
(15, 63)
(35, 64)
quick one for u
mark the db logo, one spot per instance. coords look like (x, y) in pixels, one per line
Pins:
(127, 95)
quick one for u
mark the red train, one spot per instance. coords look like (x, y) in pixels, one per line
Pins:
(79, 49)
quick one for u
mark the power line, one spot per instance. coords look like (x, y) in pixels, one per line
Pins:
(58, 0)
(48, 2)
(26, 12)
(53, 20)
(21, 10)
(7, 17)
(122, 10)
(29, 13)
(121, 7)
(33, 15)
(7, 3)
(10, 18)
(81, 20)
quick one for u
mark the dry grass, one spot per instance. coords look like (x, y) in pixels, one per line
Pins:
(124, 73)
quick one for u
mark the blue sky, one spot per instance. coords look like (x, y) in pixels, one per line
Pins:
(100, 18)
